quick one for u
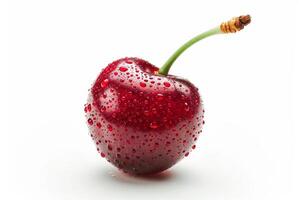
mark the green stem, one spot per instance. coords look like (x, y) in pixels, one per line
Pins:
(164, 70)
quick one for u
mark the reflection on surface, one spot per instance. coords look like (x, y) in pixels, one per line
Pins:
(167, 175)
(94, 180)
(110, 177)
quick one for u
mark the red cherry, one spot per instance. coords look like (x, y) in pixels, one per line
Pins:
(143, 122)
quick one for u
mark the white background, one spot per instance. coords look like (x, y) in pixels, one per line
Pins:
(53, 51)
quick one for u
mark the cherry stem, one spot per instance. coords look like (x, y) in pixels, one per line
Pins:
(231, 26)
(164, 70)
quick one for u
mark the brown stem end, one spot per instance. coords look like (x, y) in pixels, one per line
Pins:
(235, 24)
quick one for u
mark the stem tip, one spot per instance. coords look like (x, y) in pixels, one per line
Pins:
(235, 24)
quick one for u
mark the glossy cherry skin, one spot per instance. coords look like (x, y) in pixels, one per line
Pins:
(140, 121)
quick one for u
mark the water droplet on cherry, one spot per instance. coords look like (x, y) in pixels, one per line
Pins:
(109, 127)
(160, 96)
(146, 113)
(186, 107)
(88, 108)
(123, 69)
(167, 84)
(153, 125)
(102, 109)
(99, 125)
(142, 84)
(104, 83)
(90, 121)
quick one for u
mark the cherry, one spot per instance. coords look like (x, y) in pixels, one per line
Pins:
(143, 120)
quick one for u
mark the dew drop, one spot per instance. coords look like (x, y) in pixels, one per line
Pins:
(104, 83)
(160, 96)
(88, 108)
(102, 109)
(167, 84)
(123, 69)
(153, 125)
(110, 128)
(186, 107)
(154, 111)
(142, 84)
(146, 113)
(90, 121)
(98, 125)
